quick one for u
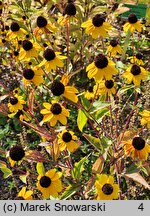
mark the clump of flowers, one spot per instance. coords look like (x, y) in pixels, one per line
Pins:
(74, 101)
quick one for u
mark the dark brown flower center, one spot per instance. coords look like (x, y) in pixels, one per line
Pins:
(6, 28)
(13, 100)
(45, 181)
(66, 137)
(138, 143)
(16, 153)
(57, 88)
(132, 18)
(139, 55)
(19, 198)
(109, 84)
(101, 61)
(49, 54)
(28, 74)
(41, 22)
(24, 17)
(3, 40)
(70, 9)
(98, 20)
(16, 53)
(107, 189)
(15, 27)
(114, 43)
(56, 109)
(90, 89)
(135, 70)
(27, 45)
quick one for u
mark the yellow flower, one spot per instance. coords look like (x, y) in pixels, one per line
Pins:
(106, 188)
(43, 26)
(16, 154)
(145, 118)
(16, 91)
(137, 59)
(135, 74)
(114, 48)
(60, 88)
(54, 112)
(101, 68)
(68, 14)
(52, 60)
(67, 139)
(24, 195)
(16, 103)
(29, 50)
(34, 75)
(15, 31)
(96, 26)
(137, 148)
(50, 184)
(105, 87)
(89, 94)
(132, 24)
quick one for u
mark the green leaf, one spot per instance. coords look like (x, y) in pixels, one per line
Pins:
(101, 113)
(94, 141)
(86, 103)
(81, 119)
(98, 105)
(124, 89)
(78, 168)
(23, 178)
(70, 190)
(7, 172)
(4, 131)
(105, 142)
(133, 168)
(40, 168)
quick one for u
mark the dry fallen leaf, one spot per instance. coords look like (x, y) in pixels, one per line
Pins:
(138, 178)
(98, 165)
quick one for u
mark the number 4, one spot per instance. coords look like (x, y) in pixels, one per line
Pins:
(141, 207)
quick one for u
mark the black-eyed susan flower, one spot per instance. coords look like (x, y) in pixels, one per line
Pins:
(105, 87)
(145, 118)
(16, 103)
(101, 68)
(89, 94)
(34, 75)
(59, 88)
(52, 60)
(16, 91)
(106, 189)
(55, 112)
(43, 26)
(15, 31)
(137, 59)
(137, 148)
(24, 194)
(114, 48)
(97, 26)
(133, 24)
(67, 139)
(16, 154)
(135, 74)
(50, 184)
(68, 14)
(29, 50)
